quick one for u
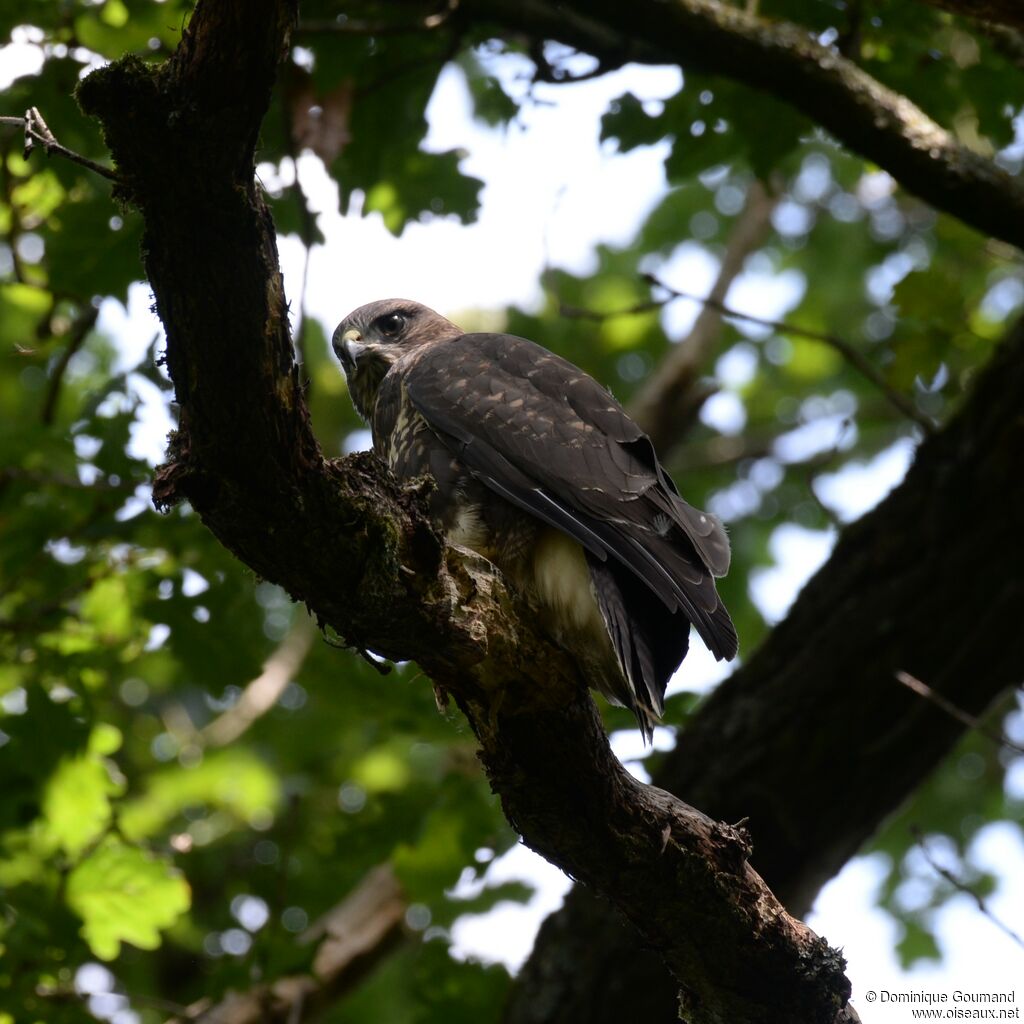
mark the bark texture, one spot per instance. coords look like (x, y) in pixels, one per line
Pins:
(356, 548)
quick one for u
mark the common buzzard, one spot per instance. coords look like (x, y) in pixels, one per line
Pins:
(540, 470)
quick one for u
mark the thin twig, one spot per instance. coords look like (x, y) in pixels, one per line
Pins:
(951, 709)
(79, 332)
(849, 353)
(353, 26)
(308, 227)
(671, 398)
(37, 133)
(961, 886)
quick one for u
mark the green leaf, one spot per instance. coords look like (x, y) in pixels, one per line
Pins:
(917, 945)
(235, 781)
(491, 104)
(108, 609)
(39, 741)
(93, 249)
(76, 802)
(424, 182)
(629, 124)
(123, 894)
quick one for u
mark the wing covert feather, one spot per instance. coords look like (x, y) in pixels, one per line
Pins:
(554, 442)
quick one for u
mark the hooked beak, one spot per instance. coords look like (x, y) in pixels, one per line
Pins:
(349, 348)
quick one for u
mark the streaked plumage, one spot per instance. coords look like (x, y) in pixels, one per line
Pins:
(539, 469)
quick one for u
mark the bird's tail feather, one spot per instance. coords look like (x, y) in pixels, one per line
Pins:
(649, 640)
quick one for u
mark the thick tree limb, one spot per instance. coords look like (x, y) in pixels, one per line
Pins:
(344, 538)
(812, 739)
(785, 61)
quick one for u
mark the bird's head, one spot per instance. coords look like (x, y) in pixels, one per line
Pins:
(373, 337)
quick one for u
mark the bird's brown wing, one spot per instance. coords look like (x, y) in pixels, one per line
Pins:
(548, 438)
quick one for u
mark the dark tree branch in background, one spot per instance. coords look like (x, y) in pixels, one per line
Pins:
(400, 26)
(1007, 41)
(344, 538)
(785, 61)
(811, 739)
(999, 12)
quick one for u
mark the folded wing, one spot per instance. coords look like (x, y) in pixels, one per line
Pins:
(548, 438)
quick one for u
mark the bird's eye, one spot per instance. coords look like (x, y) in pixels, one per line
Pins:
(390, 324)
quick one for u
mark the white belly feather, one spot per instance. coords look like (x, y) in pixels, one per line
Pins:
(562, 580)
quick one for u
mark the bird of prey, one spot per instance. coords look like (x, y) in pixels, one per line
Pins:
(539, 469)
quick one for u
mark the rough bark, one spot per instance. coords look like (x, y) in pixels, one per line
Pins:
(812, 739)
(785, 61)
(344, 538)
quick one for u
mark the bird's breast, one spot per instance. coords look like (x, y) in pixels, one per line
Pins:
(561, 580)
(539, 559)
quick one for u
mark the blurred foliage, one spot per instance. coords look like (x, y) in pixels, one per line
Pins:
(131, 834)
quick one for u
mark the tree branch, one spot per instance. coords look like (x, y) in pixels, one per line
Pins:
(354, 937)
(263, 692)
(811, 739)
(915, 685)
(999, 12)
(783, 60)
(344, 538)
(682, 366)
(849, 353)
(37, 133)
(961, 886)
(83, 323)
(665, 406)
